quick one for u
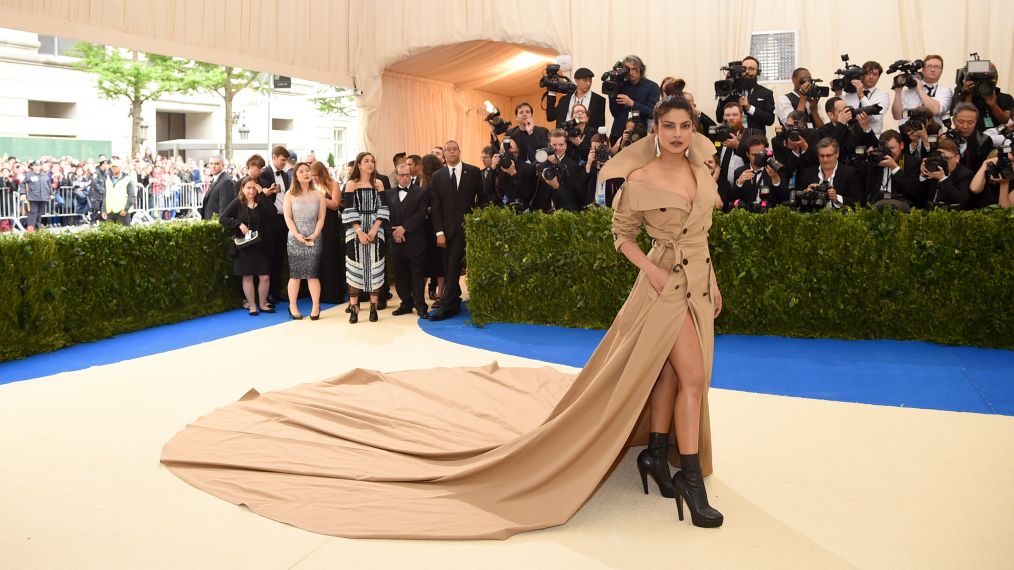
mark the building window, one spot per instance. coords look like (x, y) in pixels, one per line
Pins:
(339, 146)
(50, 110)
(777, 51)
(55, 45)
(281, 124)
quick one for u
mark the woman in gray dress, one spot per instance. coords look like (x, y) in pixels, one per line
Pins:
(365, 243)
(304, 216)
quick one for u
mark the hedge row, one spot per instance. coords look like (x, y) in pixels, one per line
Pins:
(945, 277)
(61, 289)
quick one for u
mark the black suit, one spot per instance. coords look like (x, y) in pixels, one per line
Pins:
(275, 236)
(952, 191)
(763, 102)
(903, 184)
(747, 194)
(222, 191)
(384, 180)
(449, 204)
(528, 144)
(846, 182)
(409, 257)
(558, 112)
(489, 188)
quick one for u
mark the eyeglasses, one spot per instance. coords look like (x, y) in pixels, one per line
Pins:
(933, 66)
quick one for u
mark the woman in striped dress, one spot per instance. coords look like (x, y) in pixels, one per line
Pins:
(365, 243)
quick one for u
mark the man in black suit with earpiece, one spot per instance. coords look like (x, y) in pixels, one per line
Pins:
(456, 189)
(757, 101)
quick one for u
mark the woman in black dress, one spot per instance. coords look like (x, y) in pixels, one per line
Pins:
(332, 260)
(251, 210)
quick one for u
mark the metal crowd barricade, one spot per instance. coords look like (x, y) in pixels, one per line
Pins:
(68, 203)
(181, 200)
(10, 209)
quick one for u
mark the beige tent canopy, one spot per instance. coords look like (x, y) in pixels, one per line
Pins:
(426, 66)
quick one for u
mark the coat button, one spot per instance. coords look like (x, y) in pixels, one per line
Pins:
(685, 262)
(688, 295)
(684, 230)
(661, 209)
(708, 260)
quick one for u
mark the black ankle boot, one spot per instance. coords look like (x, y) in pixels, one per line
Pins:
(688, 483)
(353, 314)
(373, 313)
(653, 460)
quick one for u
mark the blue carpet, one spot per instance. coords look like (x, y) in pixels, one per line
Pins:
(144, 343)
(888, 373)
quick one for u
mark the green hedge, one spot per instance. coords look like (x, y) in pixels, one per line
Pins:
(61, 289)
(945, 277)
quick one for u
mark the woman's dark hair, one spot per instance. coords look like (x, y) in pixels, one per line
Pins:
(357, 174)
(430, 164)
(672, 86)
(239, 189)
(256, 160)
(669, 103)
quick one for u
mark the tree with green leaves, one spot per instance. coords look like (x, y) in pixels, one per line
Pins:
(227, 82)
(335, 101)
(134, 76)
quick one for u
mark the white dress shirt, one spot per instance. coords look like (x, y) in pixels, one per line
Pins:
(941, 93)
(583, 100)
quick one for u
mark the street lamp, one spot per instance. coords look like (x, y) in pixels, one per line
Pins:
(244, 132)
(144, 129)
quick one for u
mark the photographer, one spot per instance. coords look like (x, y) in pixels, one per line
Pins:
(702, 120)
(731, 153)
(851, 132)
(973, 145)
(927, 92)
(838, 183)
(945, 183)
(758, 184)
(599, 192)
(800, 99)
(991, 183)
(994, 109)
(724, 197)
(757, 101)
(637, 93)
(594, 104)
(579, 133)
(894, 178)
(490, 192)
(795, 146)
(526, 136)
(515, 176)
(866, 94)
(916, 132)
(561, 182)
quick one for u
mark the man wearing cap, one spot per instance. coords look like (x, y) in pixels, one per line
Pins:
(595, 103)
(120, 194)
(36, 192)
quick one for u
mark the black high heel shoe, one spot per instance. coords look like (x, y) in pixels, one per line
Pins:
(295, 317)
(654, 460)
(353, 314)
(314, 317)
(688, 483)
(373, 313)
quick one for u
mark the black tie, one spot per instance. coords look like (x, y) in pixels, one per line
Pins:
(866, 93)
(931, 90)
(454, 179)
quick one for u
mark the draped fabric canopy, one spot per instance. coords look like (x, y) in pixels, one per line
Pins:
(352, 42)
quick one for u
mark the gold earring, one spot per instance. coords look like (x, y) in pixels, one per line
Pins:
(658, 149)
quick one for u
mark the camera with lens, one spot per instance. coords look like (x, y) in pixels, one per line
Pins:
(493, 117)
(1003, 168)
(978, 71)
(793, 133)
(934, 161)
(816, 90)
(719, 133)
(553, 81)
(602, 152)
(874, 109)
(732, 85)
(572, 128)
(907, 72)
(766, 158)
(807, 199)
(506, 158)
(877, 155)
(639, 130)
(848, 73)
(614, 79)
(545, 168)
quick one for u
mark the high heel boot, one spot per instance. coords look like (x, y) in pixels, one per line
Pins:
(654, 460)
(373, 312)
(688, 483)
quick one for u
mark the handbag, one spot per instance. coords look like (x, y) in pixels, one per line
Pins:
(252, 237)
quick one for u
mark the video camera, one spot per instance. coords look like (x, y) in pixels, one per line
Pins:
(907, 72)
(732, 85)
(614, 79)
(848, 73)
(500, 126)
(816, 90)
(553, 81)
(978, 71)
(1003, 168)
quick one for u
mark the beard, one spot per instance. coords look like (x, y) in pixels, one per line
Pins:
(748, 82)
